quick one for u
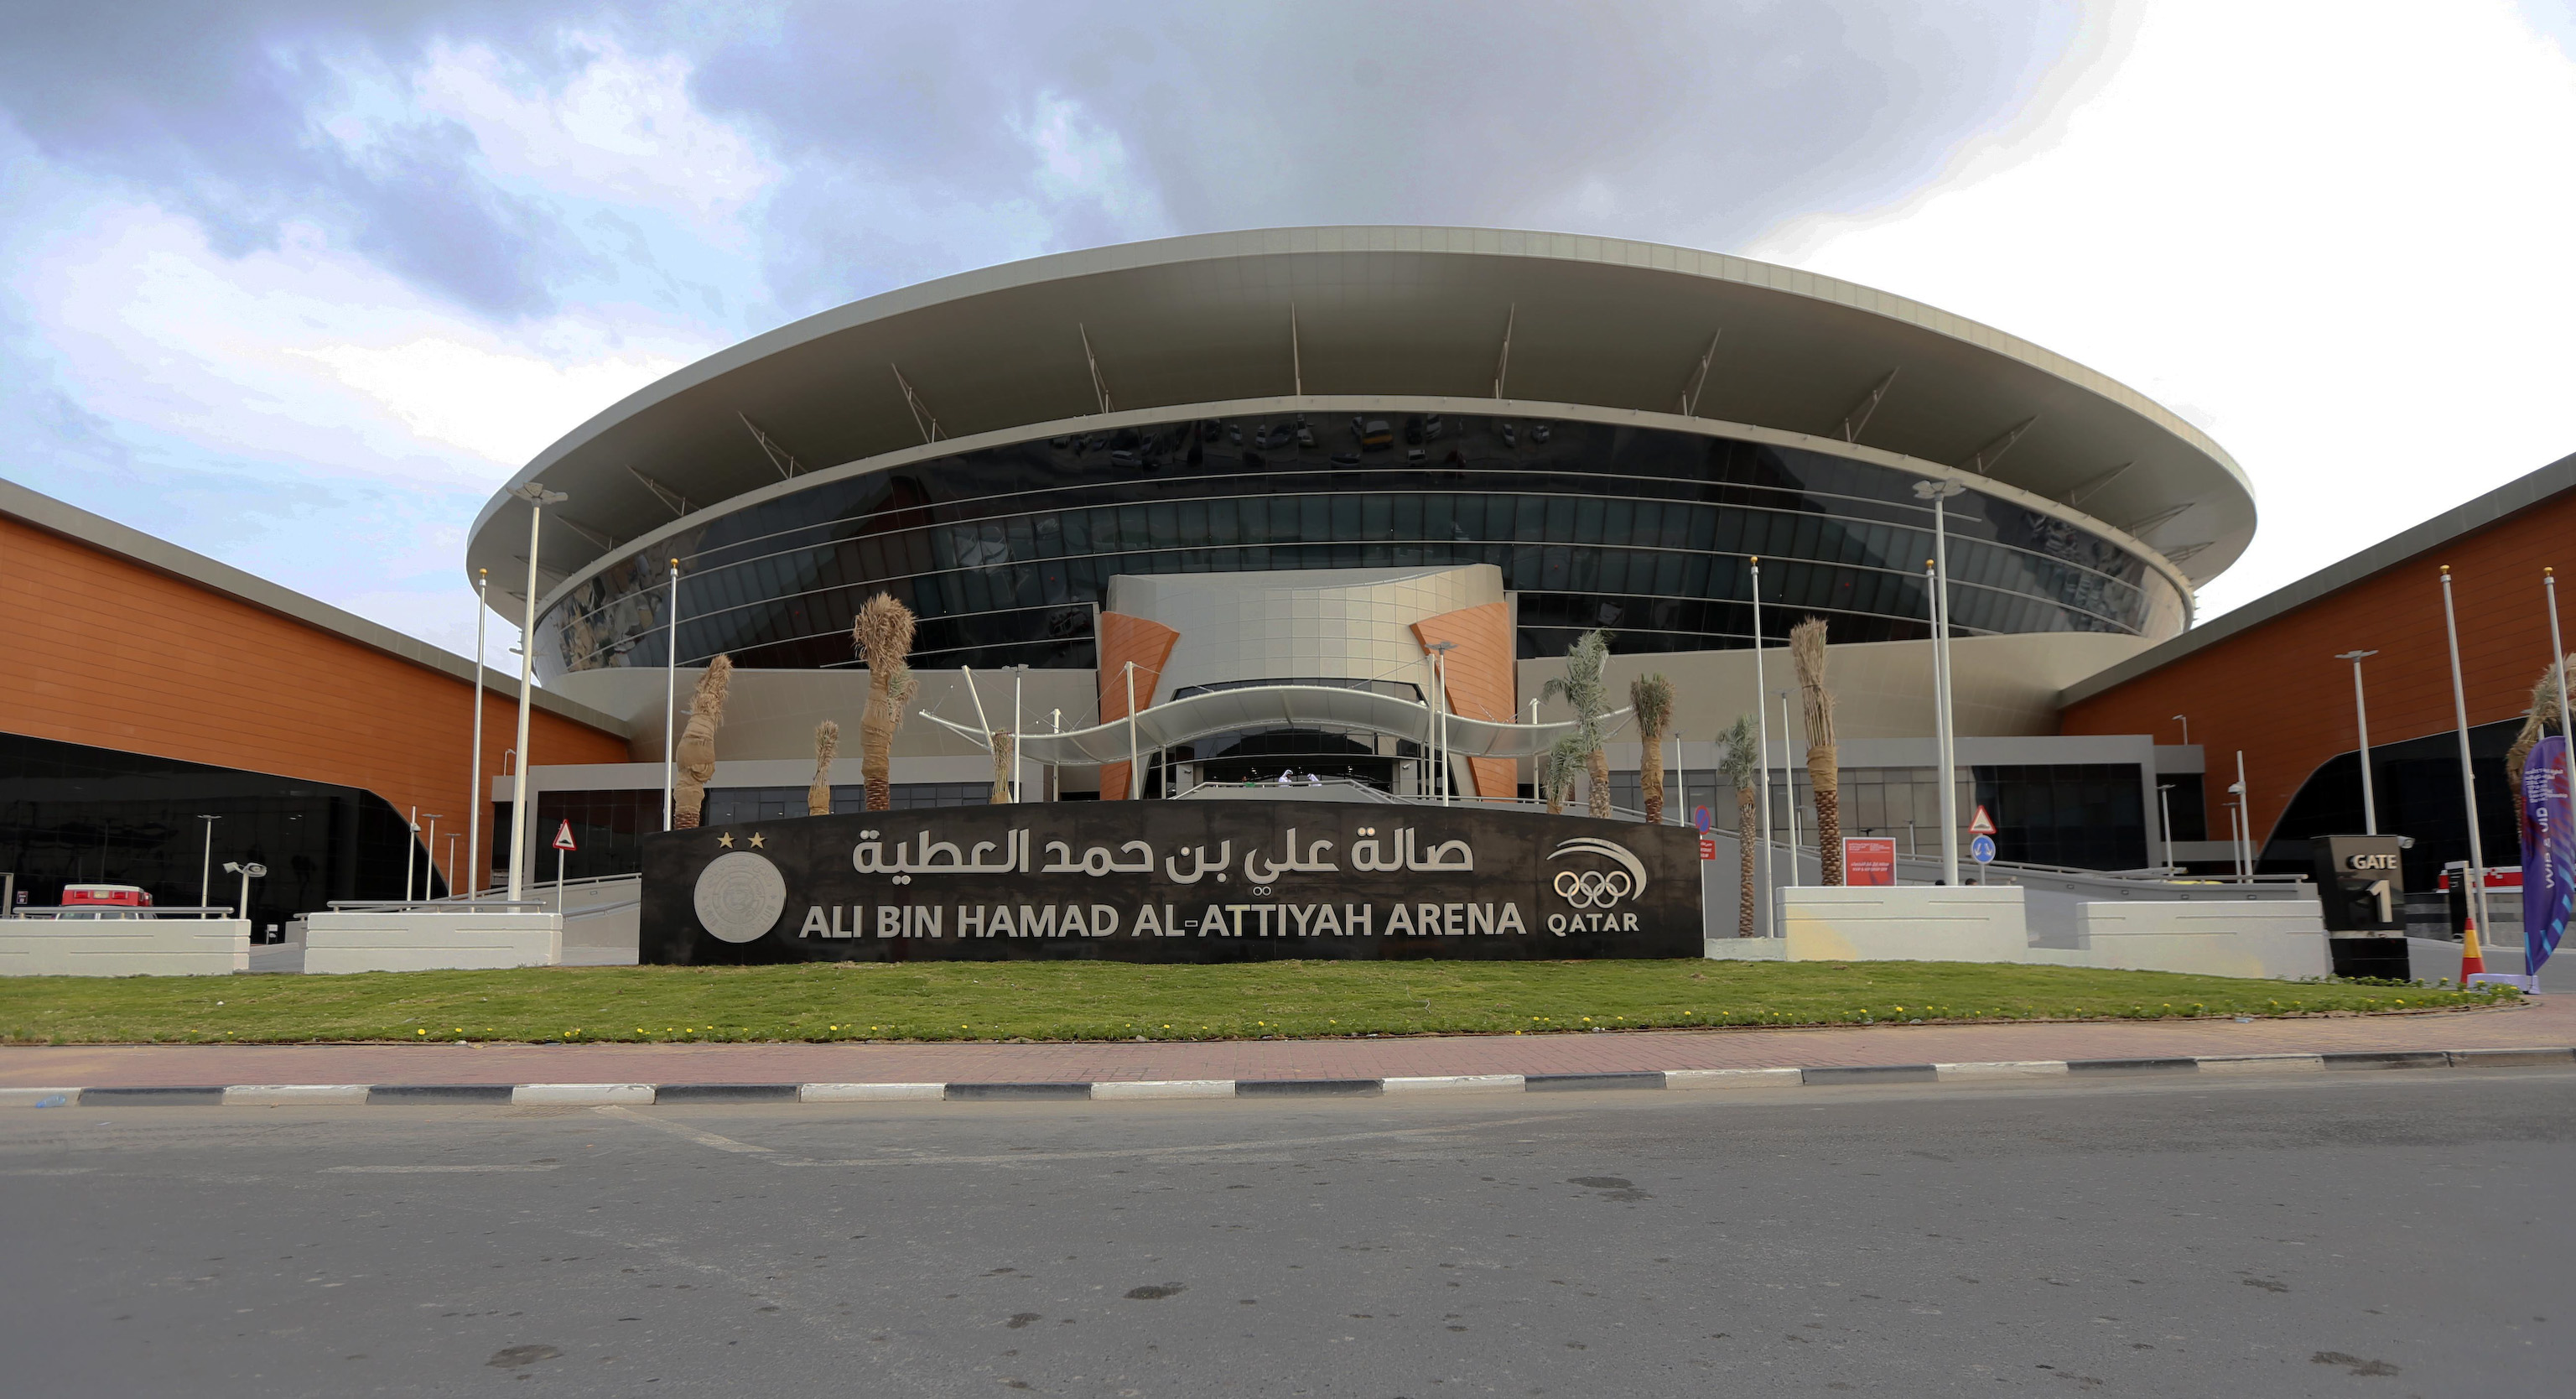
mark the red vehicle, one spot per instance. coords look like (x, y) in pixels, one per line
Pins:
(104, 901)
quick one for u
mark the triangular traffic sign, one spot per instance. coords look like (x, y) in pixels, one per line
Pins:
(563, 834)
(1984, 825)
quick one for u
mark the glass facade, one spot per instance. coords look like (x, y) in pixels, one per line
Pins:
(72, 814)
(2415, 785)
(1003, 553)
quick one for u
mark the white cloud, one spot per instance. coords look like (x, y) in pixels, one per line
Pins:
(501, 405)
(2337, 241)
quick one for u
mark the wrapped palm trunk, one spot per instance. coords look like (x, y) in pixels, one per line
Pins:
(882, 635)
(1807, 652)
(1736, 765)
(1650, 699)
(694, 756)
(827, 743)
(1001, 767)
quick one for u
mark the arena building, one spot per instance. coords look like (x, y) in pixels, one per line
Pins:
(1302, 458)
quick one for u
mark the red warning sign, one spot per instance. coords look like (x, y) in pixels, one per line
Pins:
(563, 837)
(1984, 825)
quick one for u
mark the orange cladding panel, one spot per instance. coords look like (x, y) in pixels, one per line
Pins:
(107, 652)
(2277, 692)
(1479, 678)
(1123, 639)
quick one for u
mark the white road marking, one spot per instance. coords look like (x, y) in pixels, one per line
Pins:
(434, 1170)
(682, 1130)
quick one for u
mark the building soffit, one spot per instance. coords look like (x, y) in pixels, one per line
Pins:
(1390, 311)
(1343, 403)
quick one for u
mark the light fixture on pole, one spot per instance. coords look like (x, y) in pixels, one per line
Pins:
(248, 872)
(1938, 492)
(477, 791)
(1761, 750)
(538, 498)
(451, 862)
(411, 843)
(2361, 719)
(2186, 729)
(206, 869)
(2477, 891)
(1019, 677)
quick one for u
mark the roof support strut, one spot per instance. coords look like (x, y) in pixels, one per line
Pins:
(1503, 364)
(1099, 389)
(923, 420)
(1982, 461)
(672, 500)
(1690, 396)
(2085, 492)
(1296, 358)
(779, 457)
(2139, 527)
(1858, 417)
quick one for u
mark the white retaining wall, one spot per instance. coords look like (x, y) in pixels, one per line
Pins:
(1905, 923)
(430, 940)
(124, 946)
(2274, 938)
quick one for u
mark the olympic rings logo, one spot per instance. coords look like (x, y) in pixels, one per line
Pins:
(1593, 888)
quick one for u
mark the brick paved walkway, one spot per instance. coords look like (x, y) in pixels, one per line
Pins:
(2549, 1021)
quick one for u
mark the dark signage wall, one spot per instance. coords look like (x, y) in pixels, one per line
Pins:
(1216, 881)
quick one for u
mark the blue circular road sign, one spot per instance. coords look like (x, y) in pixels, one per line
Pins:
(1982, 850)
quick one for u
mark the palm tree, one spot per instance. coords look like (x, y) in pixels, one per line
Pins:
(1001, 740)
(1587, 694)
(2538, 722)
(1807, 652)
(1556, 772)
(1738, 766)
(827, 743)
(1650, 698)
(882, 635)
(695, 754)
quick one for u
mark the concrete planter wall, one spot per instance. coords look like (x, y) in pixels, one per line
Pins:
(1905, 923)
(2273, 939)
(430, 941)
(124, 946)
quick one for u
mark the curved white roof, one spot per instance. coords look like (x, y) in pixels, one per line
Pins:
(1184, 323)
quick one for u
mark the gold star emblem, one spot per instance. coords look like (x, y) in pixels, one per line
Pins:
(725, 840)
(755, 840)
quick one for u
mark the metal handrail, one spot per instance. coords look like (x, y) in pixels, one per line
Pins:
(127, 910)
(405, 905)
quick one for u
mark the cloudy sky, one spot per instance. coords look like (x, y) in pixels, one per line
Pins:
(296, 283)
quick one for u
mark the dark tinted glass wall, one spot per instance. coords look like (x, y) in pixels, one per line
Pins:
(72, 814)
(2415, 785)
(1002, 553)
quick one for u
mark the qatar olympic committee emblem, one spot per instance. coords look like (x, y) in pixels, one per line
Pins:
(740, 896)
(1598, 888)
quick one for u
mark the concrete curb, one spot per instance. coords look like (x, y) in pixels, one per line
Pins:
(645, 1094)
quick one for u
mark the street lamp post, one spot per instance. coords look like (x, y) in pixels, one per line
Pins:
(1938, 492)
(2164, 807)
(1440, 775)
(411, 844)
(429, 876)
(206, 868)
(1789, 789)
(2185, 721)
(2361, 718)
(538, 498)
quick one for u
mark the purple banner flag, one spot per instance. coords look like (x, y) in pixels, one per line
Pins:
(2548, 852)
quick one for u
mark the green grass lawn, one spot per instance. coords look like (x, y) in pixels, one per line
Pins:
(1110, 1000)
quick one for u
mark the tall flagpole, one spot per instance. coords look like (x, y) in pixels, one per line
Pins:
(478, 793)
(538, 498)
(1762, 749)
(671, 700)
(1939, 493)
(2468, 780)
(2567, 735)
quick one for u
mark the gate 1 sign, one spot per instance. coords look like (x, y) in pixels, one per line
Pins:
(1869, 860)
(1169, 881)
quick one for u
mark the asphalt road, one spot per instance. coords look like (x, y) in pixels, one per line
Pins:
(2402, 1233)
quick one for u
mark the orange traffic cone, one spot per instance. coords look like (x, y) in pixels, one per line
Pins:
(2471, 962)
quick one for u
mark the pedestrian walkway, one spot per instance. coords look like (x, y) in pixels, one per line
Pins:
(2548, 1021)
